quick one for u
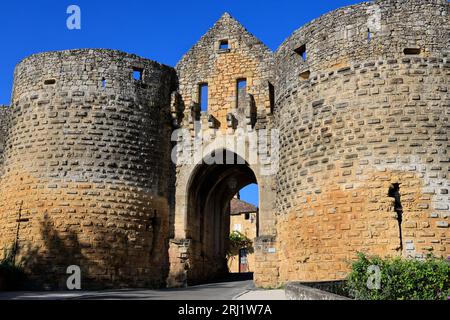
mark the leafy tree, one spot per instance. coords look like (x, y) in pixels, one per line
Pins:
(239, 241)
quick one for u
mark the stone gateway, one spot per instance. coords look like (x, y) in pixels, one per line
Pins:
(359, 100)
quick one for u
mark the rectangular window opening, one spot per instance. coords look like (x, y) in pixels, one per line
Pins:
(203, 96)
(137, 74)
(224, 45)
(49, 81)
(247, 216)
(242, 85)
(272, 97)
(369, 35)
(412, 51)
(301, 51)
(103, 83)
(241, 91)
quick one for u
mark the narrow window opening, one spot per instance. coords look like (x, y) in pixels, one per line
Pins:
(137, 74)
(49, 81)
(271, 97)
(203, 96)
(224, 45)
(412, 51)
(241, 86)
(103, 83)
(302, 52)
(394, 192)
(369, 35)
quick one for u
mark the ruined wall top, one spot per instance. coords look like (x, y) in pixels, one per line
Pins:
(226, 28)
(4, 114)
(225, 54)
(90, 70)
(370, 30)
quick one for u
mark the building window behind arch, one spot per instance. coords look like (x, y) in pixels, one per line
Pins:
(203, 96)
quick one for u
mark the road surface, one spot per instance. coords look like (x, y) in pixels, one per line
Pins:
(214, 291)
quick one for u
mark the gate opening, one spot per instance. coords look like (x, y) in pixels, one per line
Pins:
(211, 191)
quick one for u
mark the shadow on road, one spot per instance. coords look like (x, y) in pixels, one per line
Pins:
(224, 288)
(234, 277)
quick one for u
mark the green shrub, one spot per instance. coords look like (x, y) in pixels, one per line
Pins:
(239, 241)
(12, 276)
(401, 279)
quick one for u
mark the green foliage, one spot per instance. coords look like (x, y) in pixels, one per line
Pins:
(239, 241)
(401, 279)
(11, 274)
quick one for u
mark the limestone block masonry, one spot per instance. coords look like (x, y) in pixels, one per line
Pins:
(360, 98)
(4, 113)
(373, 113)
(86, 166)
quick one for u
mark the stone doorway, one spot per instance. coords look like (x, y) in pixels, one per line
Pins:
(200, 255)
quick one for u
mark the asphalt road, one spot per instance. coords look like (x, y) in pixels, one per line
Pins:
(214, 291)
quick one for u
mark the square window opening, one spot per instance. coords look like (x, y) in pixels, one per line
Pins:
(137, 74)
(302, 52)
(224, 45)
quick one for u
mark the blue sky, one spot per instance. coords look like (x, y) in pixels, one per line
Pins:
(250, 194)
(158, 30)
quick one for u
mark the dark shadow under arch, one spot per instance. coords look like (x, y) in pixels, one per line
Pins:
(210, 190)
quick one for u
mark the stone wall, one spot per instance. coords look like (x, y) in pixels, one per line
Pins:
(4, 113)
(383, 28)
(360, 97)
(200, 216)
(365, 120)
(87, 166)
(306, 291)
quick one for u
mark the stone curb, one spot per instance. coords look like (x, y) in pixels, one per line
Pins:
(299, 291)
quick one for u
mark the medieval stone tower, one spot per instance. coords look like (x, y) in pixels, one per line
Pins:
(345, 129)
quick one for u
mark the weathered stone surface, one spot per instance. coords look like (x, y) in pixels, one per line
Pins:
(203, 193)
(360, 98)
(86, 168)
(382, 119)
(301, 291)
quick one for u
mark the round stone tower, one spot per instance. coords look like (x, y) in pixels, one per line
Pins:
(87, 168)
(363, 105)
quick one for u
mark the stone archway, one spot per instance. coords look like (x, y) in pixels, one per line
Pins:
(209, 190)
